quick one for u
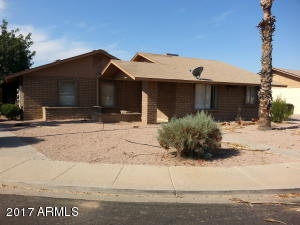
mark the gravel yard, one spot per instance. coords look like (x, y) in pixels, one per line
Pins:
(134, 143)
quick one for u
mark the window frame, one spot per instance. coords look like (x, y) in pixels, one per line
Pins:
(114, 94)
(251, 98)
(63, 82)
(213, 97)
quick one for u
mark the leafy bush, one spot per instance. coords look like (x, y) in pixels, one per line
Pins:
(194, 136)
(280, 110)
(10, 111)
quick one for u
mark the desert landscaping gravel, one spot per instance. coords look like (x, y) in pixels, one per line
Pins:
(134, 143)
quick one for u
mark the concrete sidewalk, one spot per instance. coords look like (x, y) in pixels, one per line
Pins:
(31, 169)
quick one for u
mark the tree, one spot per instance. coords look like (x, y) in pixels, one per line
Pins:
(15, 53)
(267, 28)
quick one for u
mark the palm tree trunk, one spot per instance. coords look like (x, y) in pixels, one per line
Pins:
(267, 27)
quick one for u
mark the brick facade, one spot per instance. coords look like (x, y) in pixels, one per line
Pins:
(43, 91)
(149, 102)
(116, 117)
(231, 102)
(161, 101)
(41, 88)
(129, 96)
(64, 113)
(184, 102)
(165, 101)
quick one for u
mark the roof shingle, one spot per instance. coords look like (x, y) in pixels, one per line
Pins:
(178, 69)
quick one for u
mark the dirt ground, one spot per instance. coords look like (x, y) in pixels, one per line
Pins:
(134, 143)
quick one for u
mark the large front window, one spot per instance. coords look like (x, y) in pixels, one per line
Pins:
(107, 94)
(67, 93)
(205, 96)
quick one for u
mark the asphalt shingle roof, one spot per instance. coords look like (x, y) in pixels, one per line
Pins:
(178, 69)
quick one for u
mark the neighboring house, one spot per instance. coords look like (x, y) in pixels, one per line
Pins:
(164, 86)
(291, 79)
(64, 89)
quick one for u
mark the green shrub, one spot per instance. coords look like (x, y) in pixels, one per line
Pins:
(193, 136)
(280, 110)
(10, 111)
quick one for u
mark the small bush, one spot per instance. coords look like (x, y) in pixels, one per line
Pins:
(10, 111)
(280, 110)
(193, 136)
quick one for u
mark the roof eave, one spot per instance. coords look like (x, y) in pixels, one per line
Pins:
(196, 81)
(58, 62)
(112, 63)
(287, 72)
(141, 55)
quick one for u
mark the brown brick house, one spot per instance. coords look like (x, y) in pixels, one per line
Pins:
(150, 88)
(164, 86)
(64, 89)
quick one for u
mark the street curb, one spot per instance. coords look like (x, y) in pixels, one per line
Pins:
(49, 187)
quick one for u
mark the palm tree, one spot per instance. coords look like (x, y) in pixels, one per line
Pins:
(266, 27)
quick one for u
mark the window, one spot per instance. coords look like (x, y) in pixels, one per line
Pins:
(107, 94)
(251, 95)
(205, 96)
(67, 93)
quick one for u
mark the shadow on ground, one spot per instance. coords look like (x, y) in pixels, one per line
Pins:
(221, 153)
(13, 142)
(287, 128)
(224, 153)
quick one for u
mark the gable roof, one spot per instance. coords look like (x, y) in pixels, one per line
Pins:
(58, 62)
(148, 66)
(292, 73)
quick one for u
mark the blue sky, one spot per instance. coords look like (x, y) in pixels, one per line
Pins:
(223, 30)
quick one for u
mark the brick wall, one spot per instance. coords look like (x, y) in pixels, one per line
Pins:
(165, 101)
(63, 113)
(231, 101)
(41, 88)
(117, 117)
(38, 92)
(129, 95)
(43, 91)
(149, 102)
(184, 102)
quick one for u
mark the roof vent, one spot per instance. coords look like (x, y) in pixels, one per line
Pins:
(197, 72)
(172, 54)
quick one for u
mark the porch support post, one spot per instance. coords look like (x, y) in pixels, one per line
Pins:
(149, 102)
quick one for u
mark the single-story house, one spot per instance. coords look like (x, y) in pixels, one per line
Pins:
(150, 88)
(166, 86)
(64, 89)
(291, 92)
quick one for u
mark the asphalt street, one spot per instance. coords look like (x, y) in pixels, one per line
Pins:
(23, 210)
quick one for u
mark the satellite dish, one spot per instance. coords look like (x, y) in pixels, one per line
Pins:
(197, 72)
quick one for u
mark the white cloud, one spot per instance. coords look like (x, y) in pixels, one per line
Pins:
(2, 4)
(49, 49)
(115, 50)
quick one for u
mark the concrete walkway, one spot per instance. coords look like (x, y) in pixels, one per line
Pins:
(22, 165)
